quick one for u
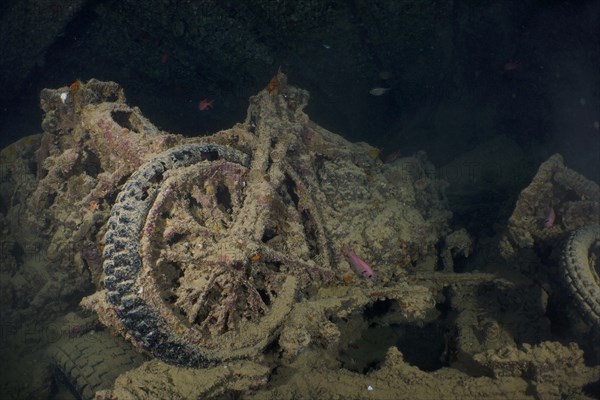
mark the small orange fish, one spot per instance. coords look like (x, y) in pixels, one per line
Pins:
(256, 258)
(347, 278)
(74, 86)
(205, 104)
(392, 156)
(512, 66)
(272, 85)
(278, 83)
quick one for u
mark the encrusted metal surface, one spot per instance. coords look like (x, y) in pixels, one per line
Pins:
(581, 268)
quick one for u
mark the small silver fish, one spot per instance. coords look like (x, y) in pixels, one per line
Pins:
(378, 91)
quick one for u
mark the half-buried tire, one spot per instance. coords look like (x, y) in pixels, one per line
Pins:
(92, 362)
(581, 264)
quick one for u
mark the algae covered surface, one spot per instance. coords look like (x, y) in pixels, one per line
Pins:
(213, 266)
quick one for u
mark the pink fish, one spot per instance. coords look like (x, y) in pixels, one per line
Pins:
(393, 156)
(205, 104)
(358, 264)
(550, 218)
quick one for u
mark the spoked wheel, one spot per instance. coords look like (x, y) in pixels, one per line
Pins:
(201, 267)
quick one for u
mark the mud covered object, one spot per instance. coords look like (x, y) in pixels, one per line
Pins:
(203, 245)
(224, 251)
(570, 199)
(553, 235)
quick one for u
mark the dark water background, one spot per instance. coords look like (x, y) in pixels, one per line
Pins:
(461, 71)
(488, 89)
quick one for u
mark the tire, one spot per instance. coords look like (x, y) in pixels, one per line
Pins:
(228, 302)
(581, 277)
(92, 362)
